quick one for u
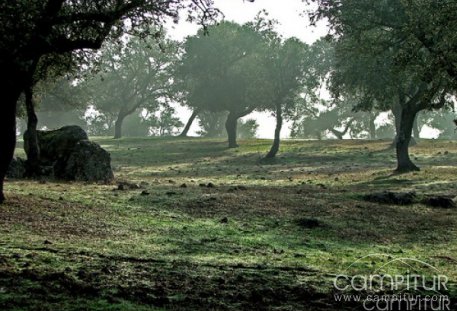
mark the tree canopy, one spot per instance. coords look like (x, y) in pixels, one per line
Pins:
(226, 71)
(381, 59)
(134, 74)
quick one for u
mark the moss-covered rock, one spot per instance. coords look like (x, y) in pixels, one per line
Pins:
(87, 162)
(57, 144)
(72, 156)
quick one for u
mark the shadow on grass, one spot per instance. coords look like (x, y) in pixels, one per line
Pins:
(224, 247)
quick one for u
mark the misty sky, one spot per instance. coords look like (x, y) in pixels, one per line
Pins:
(291, 15)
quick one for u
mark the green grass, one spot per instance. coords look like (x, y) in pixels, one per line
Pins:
(77, 246)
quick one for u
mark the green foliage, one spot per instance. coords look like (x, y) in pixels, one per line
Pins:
(59, 95)
(225, 70)
(312, 116)
(135, 75)
(35, 29)
(382, 59)
(164, 122)
(99, 124)
(319, 123)
(379, 55)
(212, 124)
(247, 129)
(290, 65)
(58, 119)
(45, 39)
(135, 125)
(442, 121)
(142, 123)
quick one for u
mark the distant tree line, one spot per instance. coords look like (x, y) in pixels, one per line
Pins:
(224, 73)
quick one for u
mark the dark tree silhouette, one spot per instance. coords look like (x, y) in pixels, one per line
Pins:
(192, 117)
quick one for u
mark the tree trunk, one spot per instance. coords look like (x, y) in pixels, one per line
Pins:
(404, 163)
(32, 148)
(189, 123)
(340, 134)
(416, 130)
(10, 95)
(275, 147)
(397, 112)
(230, 126)
(118, 125)
(372, 127)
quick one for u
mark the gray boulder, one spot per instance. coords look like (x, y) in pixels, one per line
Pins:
(87, 162)
(71, 156)
(57, 144)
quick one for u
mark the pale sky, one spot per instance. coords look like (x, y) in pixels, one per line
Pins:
(291, 14)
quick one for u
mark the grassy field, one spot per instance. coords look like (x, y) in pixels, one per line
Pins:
(216, 229)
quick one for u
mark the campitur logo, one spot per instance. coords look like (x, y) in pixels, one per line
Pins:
(388, 289)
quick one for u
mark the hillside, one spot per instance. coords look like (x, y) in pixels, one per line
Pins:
(196, 224)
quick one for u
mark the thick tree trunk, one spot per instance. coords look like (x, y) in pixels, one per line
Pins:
(275, 147)
(32, 148)
(7, 130)
(230, 126)
(189, 123)
(118, 125)
(404, 163)
(397, 112)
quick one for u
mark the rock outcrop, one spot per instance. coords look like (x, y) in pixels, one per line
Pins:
(87, 162)
(68, 154)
